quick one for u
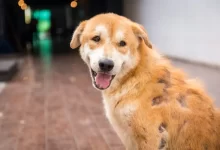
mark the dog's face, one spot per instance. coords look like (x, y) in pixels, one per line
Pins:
(109, 46)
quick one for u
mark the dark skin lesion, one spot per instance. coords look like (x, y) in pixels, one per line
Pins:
(157, 100)
(205, 146)
(162, 127)
(162, 143)
(162, 130)
(164, 79)
(182, 100)
(159, 94)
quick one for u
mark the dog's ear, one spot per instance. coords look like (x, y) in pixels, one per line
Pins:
(75, 42)
(141, 33)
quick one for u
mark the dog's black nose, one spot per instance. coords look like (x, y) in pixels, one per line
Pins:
(106, 65)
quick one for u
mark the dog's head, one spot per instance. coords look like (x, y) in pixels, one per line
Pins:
(109, 46)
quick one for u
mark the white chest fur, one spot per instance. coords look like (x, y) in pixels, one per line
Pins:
(119, 117)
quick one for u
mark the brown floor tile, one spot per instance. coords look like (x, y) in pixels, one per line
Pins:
(53, 109)
(118, 148)
(32, 138)
(32, 135)
(9, 131)
(85, 130)
(60, 144)
(110, 137)
(9, 145)
(101, 121)
(13, 113)
(59, 129)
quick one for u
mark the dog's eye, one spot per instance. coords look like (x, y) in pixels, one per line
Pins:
(122, 43)
(96, 38)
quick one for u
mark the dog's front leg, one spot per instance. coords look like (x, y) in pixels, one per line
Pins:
(152, 138)
(151, 133)
(150, 130)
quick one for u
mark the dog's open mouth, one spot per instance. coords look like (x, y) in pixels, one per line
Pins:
(102, 80)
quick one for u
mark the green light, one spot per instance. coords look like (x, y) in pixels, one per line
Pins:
(43, 17)
(43, 25)
(45, 52)
(36, 14)
(45, 14)
(42, 14)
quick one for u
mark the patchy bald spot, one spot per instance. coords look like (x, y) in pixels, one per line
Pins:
(157, 100)
(182, 100)
(162, 144)
(162, 127)
(164, 136)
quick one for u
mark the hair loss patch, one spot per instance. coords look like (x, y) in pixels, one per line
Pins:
(162, 127)
(181, 99)
(157, 100)
(164, 136)
(165, 78)
(162, 144)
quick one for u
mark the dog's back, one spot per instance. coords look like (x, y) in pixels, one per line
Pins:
(193, 118)
(188, 113)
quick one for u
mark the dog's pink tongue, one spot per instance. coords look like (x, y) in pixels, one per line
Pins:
(103, 80)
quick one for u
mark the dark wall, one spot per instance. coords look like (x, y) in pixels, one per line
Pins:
(97, 6)
(58, 13)
(1, 18)
(11, 23)
(115, 6)
(102, 6)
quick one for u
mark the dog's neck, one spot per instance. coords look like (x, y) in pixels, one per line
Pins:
(138, 76)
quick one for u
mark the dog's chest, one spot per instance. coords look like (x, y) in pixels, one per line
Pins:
(120, 119)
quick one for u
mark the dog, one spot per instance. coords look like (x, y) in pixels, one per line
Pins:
(150, 104)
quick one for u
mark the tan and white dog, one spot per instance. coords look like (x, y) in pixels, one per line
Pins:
(150, 104)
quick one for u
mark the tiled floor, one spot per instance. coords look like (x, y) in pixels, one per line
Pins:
(51, 105)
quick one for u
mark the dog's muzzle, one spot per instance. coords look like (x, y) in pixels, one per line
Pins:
(103, 78)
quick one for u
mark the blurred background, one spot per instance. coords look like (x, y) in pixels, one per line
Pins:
(47, 101)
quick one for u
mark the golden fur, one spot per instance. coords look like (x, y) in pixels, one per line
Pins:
(151, 105)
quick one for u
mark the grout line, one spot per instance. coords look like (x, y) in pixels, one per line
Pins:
(46, 119)
(46, 84)
(92, 116)
(68, 116)
(7, 142)
(21, 128)
(2, 114)
(28, 98)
